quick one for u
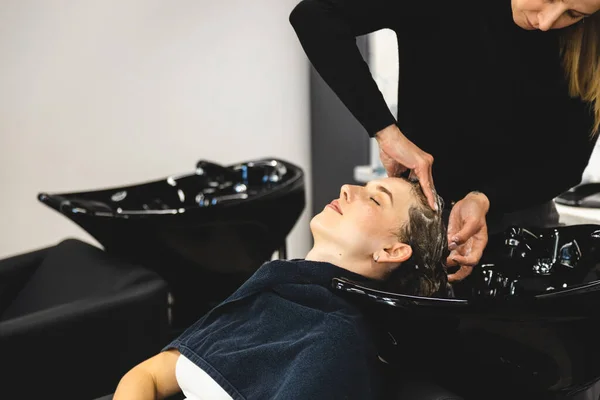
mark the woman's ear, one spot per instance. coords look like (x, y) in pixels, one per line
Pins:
(397, 253)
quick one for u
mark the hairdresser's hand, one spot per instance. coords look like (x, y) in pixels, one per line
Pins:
(399, 154)
(467, 234)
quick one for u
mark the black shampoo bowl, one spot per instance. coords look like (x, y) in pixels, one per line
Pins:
(524, 324)
(204, 232)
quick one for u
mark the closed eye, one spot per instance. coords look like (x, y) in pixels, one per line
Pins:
(376, 202)
(575, 15)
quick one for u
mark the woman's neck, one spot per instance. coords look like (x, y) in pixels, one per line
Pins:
(364, 266)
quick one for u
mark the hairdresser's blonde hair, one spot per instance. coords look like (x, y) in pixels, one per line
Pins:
(580, 49)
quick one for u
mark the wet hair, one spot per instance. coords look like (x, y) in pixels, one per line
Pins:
(424, 273)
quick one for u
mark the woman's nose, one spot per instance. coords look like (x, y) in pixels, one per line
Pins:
(544, 24)
(346, 193)
(547, 18)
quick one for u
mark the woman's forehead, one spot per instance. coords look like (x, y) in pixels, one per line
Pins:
(394, 184)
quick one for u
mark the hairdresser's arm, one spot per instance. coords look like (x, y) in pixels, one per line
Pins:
(327, 30)
(522, 186)
(467, 226)
(151, 379)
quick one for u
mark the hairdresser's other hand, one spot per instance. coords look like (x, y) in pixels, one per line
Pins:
(467, 234)
(399, 154)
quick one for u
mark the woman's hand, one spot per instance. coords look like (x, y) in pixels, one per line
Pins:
(467, 234)
(399, 154)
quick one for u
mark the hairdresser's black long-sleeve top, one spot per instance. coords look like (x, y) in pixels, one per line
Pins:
(486, 98)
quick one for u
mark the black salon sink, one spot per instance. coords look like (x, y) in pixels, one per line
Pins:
(524, 324)
(205, 231)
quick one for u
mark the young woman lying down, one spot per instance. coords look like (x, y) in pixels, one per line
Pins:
(284, 334)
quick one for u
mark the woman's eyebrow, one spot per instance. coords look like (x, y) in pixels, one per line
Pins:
(386, 191)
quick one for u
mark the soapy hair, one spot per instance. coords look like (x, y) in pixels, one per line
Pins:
(580, 49)
(424, 273)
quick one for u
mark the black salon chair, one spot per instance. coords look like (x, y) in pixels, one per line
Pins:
(73, 320)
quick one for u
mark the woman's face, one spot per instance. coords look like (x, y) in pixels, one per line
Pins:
(365, 219)
(551, 14)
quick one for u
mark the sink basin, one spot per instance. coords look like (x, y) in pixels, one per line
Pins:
(205, 231)
(525, 323)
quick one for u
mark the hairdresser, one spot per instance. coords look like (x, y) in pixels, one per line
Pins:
(502, 94)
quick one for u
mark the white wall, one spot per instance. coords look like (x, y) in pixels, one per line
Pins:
(101, 93)
(383, 63)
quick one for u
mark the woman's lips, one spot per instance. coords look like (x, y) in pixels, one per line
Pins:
(336, 206)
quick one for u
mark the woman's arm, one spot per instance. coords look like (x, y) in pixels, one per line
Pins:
(151, 379)
(327, 30)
